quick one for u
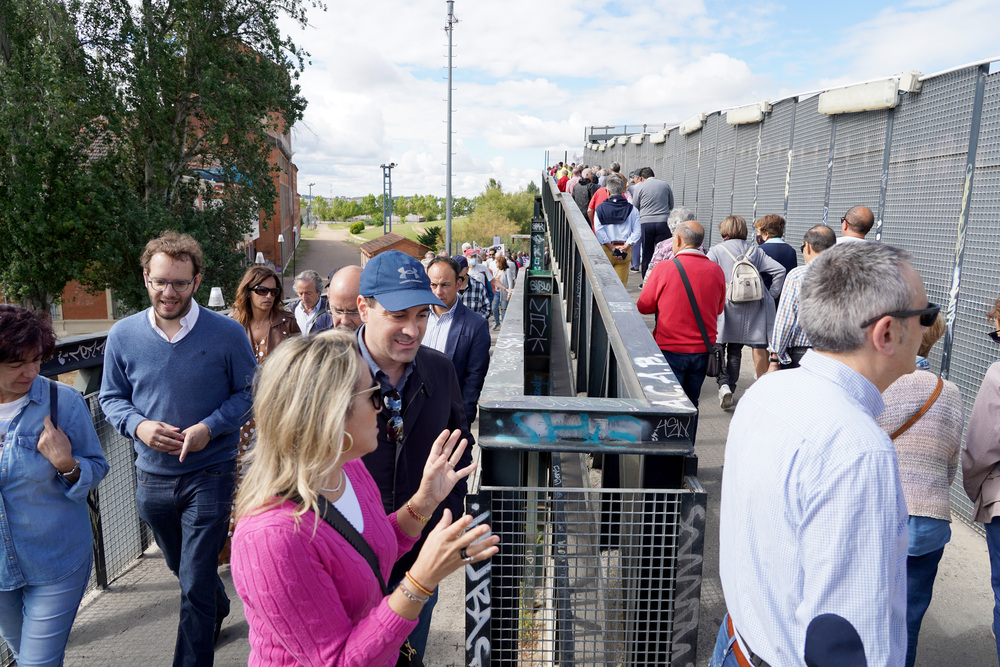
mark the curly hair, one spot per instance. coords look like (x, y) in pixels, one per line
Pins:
(176, 246)
(242, 306)
(25, 335)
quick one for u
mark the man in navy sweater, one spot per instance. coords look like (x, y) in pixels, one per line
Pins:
(177, 381)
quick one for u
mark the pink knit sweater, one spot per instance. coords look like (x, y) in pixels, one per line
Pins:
(312, 599)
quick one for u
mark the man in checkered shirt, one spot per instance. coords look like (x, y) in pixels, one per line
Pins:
(472, 292)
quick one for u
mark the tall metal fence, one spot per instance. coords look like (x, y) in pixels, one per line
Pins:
(929, 168)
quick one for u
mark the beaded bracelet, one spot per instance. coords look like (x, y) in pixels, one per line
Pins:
(413, 513)
(411, 596)
(422, 589)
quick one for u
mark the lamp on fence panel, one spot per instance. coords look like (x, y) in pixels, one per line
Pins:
(260, 258)
(693, 124)
(636, 138)
(659, 137)
(623, 139)
(872, 96)
(750, 113)
(909, 82)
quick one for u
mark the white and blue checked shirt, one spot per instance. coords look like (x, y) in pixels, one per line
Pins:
(787, 331)
(813, 519)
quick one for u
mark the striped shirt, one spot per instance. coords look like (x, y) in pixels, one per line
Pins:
(787, 331)
(813, 518)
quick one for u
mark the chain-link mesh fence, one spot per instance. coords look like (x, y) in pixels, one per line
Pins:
(587, 577)
(911, 165)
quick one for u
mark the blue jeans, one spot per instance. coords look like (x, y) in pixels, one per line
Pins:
(189, 516)
(920, 573)
(993, 544)
(723, 655)
(689, 368)
(35, 620)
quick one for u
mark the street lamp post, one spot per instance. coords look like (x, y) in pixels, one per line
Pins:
(281, 253)
(387, 196)
(311, 206)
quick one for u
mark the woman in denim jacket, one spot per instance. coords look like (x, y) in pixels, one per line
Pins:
(46, 472)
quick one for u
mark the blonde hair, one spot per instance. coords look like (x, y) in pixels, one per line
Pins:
(302, 399)
(931, 335)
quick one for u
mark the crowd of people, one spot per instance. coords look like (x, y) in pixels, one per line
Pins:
(854, 442)
(323, 447)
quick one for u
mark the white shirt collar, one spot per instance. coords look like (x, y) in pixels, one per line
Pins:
(187, 323)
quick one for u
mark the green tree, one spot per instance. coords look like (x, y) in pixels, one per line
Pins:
(160, 122)
(401, 207)
(431, 237)
(371, 206)
(516, 207)
(59, 185)
(462, 206)
(532, 189)
(428, 206)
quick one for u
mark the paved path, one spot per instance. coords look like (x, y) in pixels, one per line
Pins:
(325, 253)
(133, 622)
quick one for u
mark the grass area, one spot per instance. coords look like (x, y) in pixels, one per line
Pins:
(307, 233)
(339, 225)
(406, 229)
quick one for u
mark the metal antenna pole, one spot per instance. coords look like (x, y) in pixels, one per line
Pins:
(387, 197)
(449, 28)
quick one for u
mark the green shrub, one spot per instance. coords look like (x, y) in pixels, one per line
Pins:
(357, 227)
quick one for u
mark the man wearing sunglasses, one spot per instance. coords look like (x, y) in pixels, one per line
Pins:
(420, 395)
(856, 224)
(813, 524)
(342, 297)
(177, 381)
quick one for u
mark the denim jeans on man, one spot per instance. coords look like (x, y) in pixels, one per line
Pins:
(993, 545)
(36, 620)
(689, 369)
(724, 655)
(189, 516)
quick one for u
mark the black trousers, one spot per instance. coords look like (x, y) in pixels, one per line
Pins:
(652, 233)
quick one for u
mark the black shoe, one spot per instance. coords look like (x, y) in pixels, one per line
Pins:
(631, 270)
(218, 626)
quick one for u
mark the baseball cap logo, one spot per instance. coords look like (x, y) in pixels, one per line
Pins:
(408, 275)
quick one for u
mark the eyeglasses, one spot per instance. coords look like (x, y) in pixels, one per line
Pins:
(375, 396)
(394, 404)
(802, 248)
(159, 284)
(260, 290)
(927, 315)
(994, 336)
(345, 313)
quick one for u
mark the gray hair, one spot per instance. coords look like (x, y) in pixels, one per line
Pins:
(616, 167)
(615, 185)
(849, 284)
(679, 215)
(587, 173)
(308, 275)
(689, 235)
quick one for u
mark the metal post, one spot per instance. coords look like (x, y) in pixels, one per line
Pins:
(387, 196)
(449, 28)
(311, 205)
(963, 218)
(829, 171)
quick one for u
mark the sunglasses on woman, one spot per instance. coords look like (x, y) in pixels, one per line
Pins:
(260, 290)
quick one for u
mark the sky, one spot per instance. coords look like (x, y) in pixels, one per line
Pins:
(531, 75)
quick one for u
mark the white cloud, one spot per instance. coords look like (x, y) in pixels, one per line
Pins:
(531, 76)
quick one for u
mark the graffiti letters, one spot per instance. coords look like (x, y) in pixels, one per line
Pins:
(558, 427)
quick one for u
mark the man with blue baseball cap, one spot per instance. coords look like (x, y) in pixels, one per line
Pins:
(421, 395)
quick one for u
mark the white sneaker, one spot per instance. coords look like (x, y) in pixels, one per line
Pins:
(725, 397)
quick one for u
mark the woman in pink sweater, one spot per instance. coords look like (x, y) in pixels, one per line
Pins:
(310, 598)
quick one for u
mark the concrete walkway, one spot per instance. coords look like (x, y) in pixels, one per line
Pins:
(134, 621)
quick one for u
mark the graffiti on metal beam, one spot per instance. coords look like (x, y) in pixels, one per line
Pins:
(687, 601)
(477, 603)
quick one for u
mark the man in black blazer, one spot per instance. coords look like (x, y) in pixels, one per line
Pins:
(458, 332)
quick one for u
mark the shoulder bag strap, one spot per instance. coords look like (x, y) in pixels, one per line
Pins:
(723, 246)
(340, 523)
(54, 403)
(694, 306)
(919, 413)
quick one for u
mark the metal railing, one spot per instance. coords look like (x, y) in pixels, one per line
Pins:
(596, 576)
